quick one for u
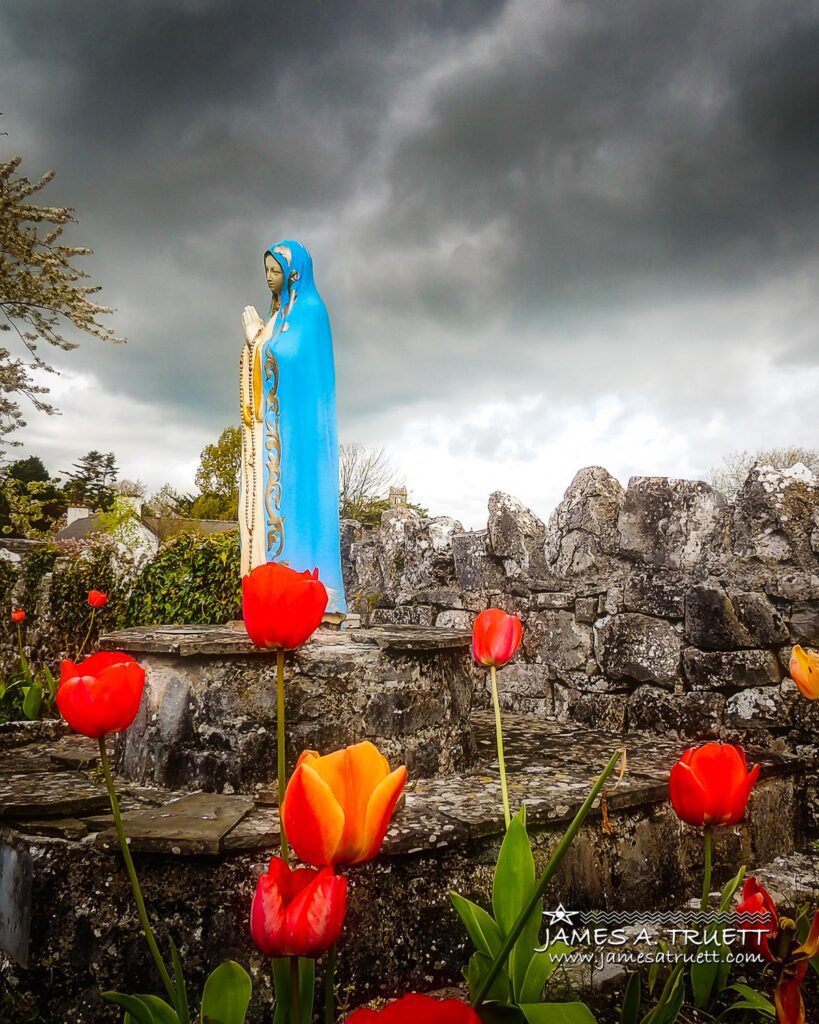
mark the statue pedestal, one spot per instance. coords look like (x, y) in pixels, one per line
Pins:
(208, 717)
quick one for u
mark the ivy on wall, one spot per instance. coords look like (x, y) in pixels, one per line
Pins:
(193, 579)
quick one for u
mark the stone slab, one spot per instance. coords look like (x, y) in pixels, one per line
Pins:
(209, 721)
(188, 641)
(46, 794)
(58, 828)
(77, 759)
(15, 899)
(194, 824)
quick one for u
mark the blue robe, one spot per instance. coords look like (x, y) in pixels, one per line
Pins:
(300, 439)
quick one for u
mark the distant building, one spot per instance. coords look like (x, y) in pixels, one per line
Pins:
(150, 532)
(398, 496)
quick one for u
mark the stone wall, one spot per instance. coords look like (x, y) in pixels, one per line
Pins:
(659, 607)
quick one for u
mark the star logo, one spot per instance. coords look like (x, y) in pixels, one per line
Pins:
(560, 914)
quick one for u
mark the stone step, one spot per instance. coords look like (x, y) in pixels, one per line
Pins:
(793, 879)
(69, 899)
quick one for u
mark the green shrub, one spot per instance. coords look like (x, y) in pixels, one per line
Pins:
(194, 579)
(36, 565)
(92, 569)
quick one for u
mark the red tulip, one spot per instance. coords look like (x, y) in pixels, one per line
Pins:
(757, 900)
(97, 599)
(413, 1008)
(495, 637)
(282, 607)
(710, 785)
(297, 912)
(18, 615)
(102, 694)
(793, 958)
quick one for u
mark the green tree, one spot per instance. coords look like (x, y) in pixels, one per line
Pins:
(169, 503)
(91, 484)
(31, 502)
(218, 477)
(42, 290)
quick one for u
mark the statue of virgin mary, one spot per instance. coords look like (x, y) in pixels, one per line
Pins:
(288, 501)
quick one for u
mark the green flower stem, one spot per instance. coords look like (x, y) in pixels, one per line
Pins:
(132, 875)
(678, 969)
(87, 634)
(499, 734)
(330, 986)
(280, 751)
(295, 987)
(20, 645)
(706, 880)
(545, 878)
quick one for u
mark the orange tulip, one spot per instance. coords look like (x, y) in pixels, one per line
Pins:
(18, 615)
(710, 785)
(337, 807)
(804, 668)
(495, 637)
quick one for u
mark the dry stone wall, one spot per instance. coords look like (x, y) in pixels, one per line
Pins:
(662, 607)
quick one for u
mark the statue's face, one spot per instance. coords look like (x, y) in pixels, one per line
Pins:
(273, 273)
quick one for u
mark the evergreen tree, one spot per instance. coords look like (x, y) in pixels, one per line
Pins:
(91, 484)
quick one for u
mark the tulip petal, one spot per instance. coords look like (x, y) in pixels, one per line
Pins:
(313, 818)
(804, 670)
(315, 918)
(411, 1009)
(790, 1007)
(687, 794)
(810, 947)
(379, 811)
(267, 917)
(353, 775)
(496, 637)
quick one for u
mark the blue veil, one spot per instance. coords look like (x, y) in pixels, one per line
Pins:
(300, 439)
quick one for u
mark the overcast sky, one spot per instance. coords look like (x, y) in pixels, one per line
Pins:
(549, 234)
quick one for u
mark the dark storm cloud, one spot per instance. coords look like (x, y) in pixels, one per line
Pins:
(492, 191)
(624, 146)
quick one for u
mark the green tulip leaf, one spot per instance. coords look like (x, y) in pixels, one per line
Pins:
(557, 1013)
(160, 1011)
(135, 1007)
(481, 926)
(179, 985)
(32, 701)
(540, 969)
(669, 1011)
(52, 683)
(227, 993)
(478, 967)
(513, 886)
(703, 976)
(497, 1013)
(630, 1010)
(752, 1000)
(730, 888)
(514, 875)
